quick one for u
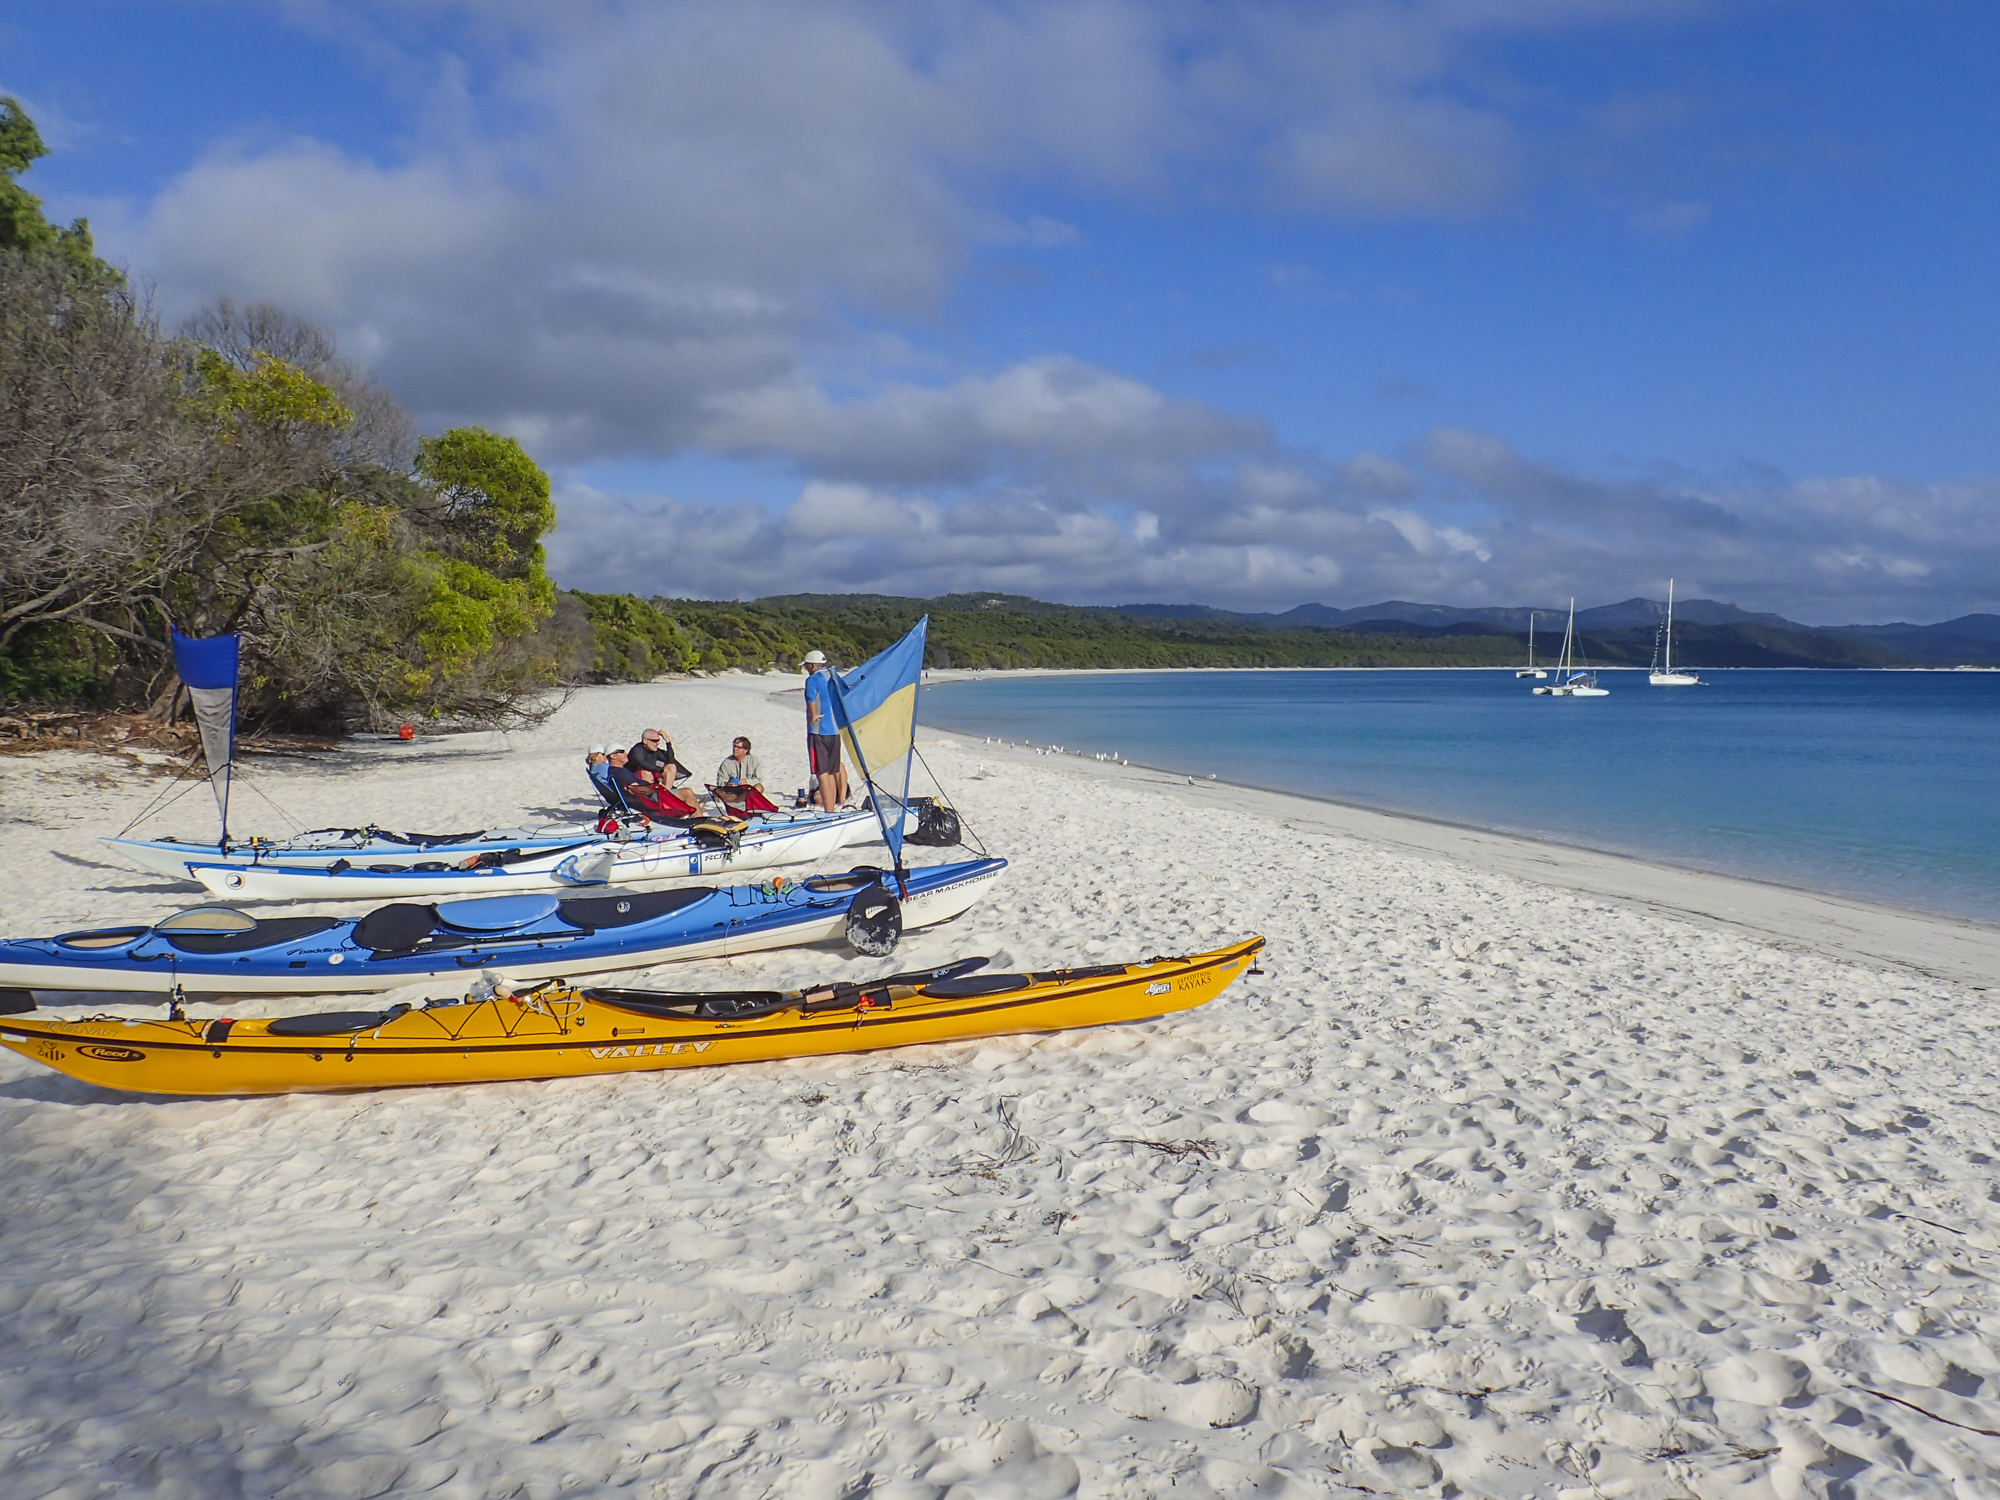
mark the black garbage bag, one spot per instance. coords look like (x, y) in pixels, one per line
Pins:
(937, 825)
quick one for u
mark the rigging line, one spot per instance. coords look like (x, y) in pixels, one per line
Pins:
(170, 801)
(146, 812)
(963, 821)
(251, 782)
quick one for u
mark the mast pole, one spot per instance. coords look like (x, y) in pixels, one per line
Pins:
(1670, 627)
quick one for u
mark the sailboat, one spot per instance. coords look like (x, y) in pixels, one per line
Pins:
(1531, 670)
(1663, 673)
(1570, 682)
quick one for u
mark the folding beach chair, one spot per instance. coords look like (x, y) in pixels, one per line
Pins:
(658, 802)
(605, 787)
(742, 800)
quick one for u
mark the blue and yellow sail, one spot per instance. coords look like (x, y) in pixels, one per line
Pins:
(875, 708)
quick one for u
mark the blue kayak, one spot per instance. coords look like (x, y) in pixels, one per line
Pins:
(221, 950)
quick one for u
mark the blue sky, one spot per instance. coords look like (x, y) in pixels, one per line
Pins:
(1476, 301)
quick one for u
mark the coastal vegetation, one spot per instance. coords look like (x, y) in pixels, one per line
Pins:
(1000, 631)
(235, 475)
(635, 638)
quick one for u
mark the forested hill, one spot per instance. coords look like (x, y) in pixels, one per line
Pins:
(636, 638)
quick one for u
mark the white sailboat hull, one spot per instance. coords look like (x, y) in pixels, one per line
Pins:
(1570, 682)
(1663, 673)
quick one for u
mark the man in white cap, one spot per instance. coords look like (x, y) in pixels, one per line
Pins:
(823, 735)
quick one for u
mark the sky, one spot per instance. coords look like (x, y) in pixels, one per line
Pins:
(1256, 304)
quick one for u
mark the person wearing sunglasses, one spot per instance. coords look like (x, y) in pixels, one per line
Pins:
(653, 759)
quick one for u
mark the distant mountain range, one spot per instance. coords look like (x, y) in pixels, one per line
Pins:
(1731, 637)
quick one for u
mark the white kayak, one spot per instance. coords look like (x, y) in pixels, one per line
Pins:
(326, 846)
(379, 849)
(766, 842)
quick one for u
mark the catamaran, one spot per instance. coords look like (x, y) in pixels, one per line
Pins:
(1531, 670)
(1570, 681)
(1663, 673)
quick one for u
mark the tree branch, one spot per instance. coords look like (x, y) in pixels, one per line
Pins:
(123, 635)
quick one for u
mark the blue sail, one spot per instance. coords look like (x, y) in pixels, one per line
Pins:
(875, 709)
(208, 669)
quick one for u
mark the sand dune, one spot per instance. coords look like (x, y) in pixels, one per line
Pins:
(1491, 1184)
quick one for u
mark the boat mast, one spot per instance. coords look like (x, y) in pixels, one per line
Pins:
(1670, 627)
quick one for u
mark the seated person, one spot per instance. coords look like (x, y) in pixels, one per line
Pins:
(635, 789)
(597, 766)
(738, 787)
(653, 758)
(741, 769)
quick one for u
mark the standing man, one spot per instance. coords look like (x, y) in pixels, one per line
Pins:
(823, 735)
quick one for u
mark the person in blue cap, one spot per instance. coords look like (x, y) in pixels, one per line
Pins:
(823, 735)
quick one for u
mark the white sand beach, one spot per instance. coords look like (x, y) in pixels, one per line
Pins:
(1519, 1172)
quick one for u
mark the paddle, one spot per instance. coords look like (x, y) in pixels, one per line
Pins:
(951, 970)
(746, 1005)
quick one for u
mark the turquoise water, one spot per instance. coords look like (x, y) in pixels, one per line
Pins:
(1880, 785)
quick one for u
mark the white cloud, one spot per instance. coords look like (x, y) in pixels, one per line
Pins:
(1053, 416)
(630, 230)
(1671, 220)
(619, 226)
(1474, 523)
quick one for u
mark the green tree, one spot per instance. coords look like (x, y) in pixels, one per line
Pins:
(272, 395)
(492, 499)
(633, 641)
(23, 226)
(241, 478)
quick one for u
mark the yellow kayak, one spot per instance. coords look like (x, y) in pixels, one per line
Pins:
(558, 1031)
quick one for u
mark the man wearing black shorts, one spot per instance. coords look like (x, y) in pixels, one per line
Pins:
(822, 735)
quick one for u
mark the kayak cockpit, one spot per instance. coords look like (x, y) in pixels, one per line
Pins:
(224, 929)
(206, 929)
(336, 1022)
(270, 932)
(101, 937)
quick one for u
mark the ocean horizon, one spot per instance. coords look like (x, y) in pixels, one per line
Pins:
(1874, 784)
